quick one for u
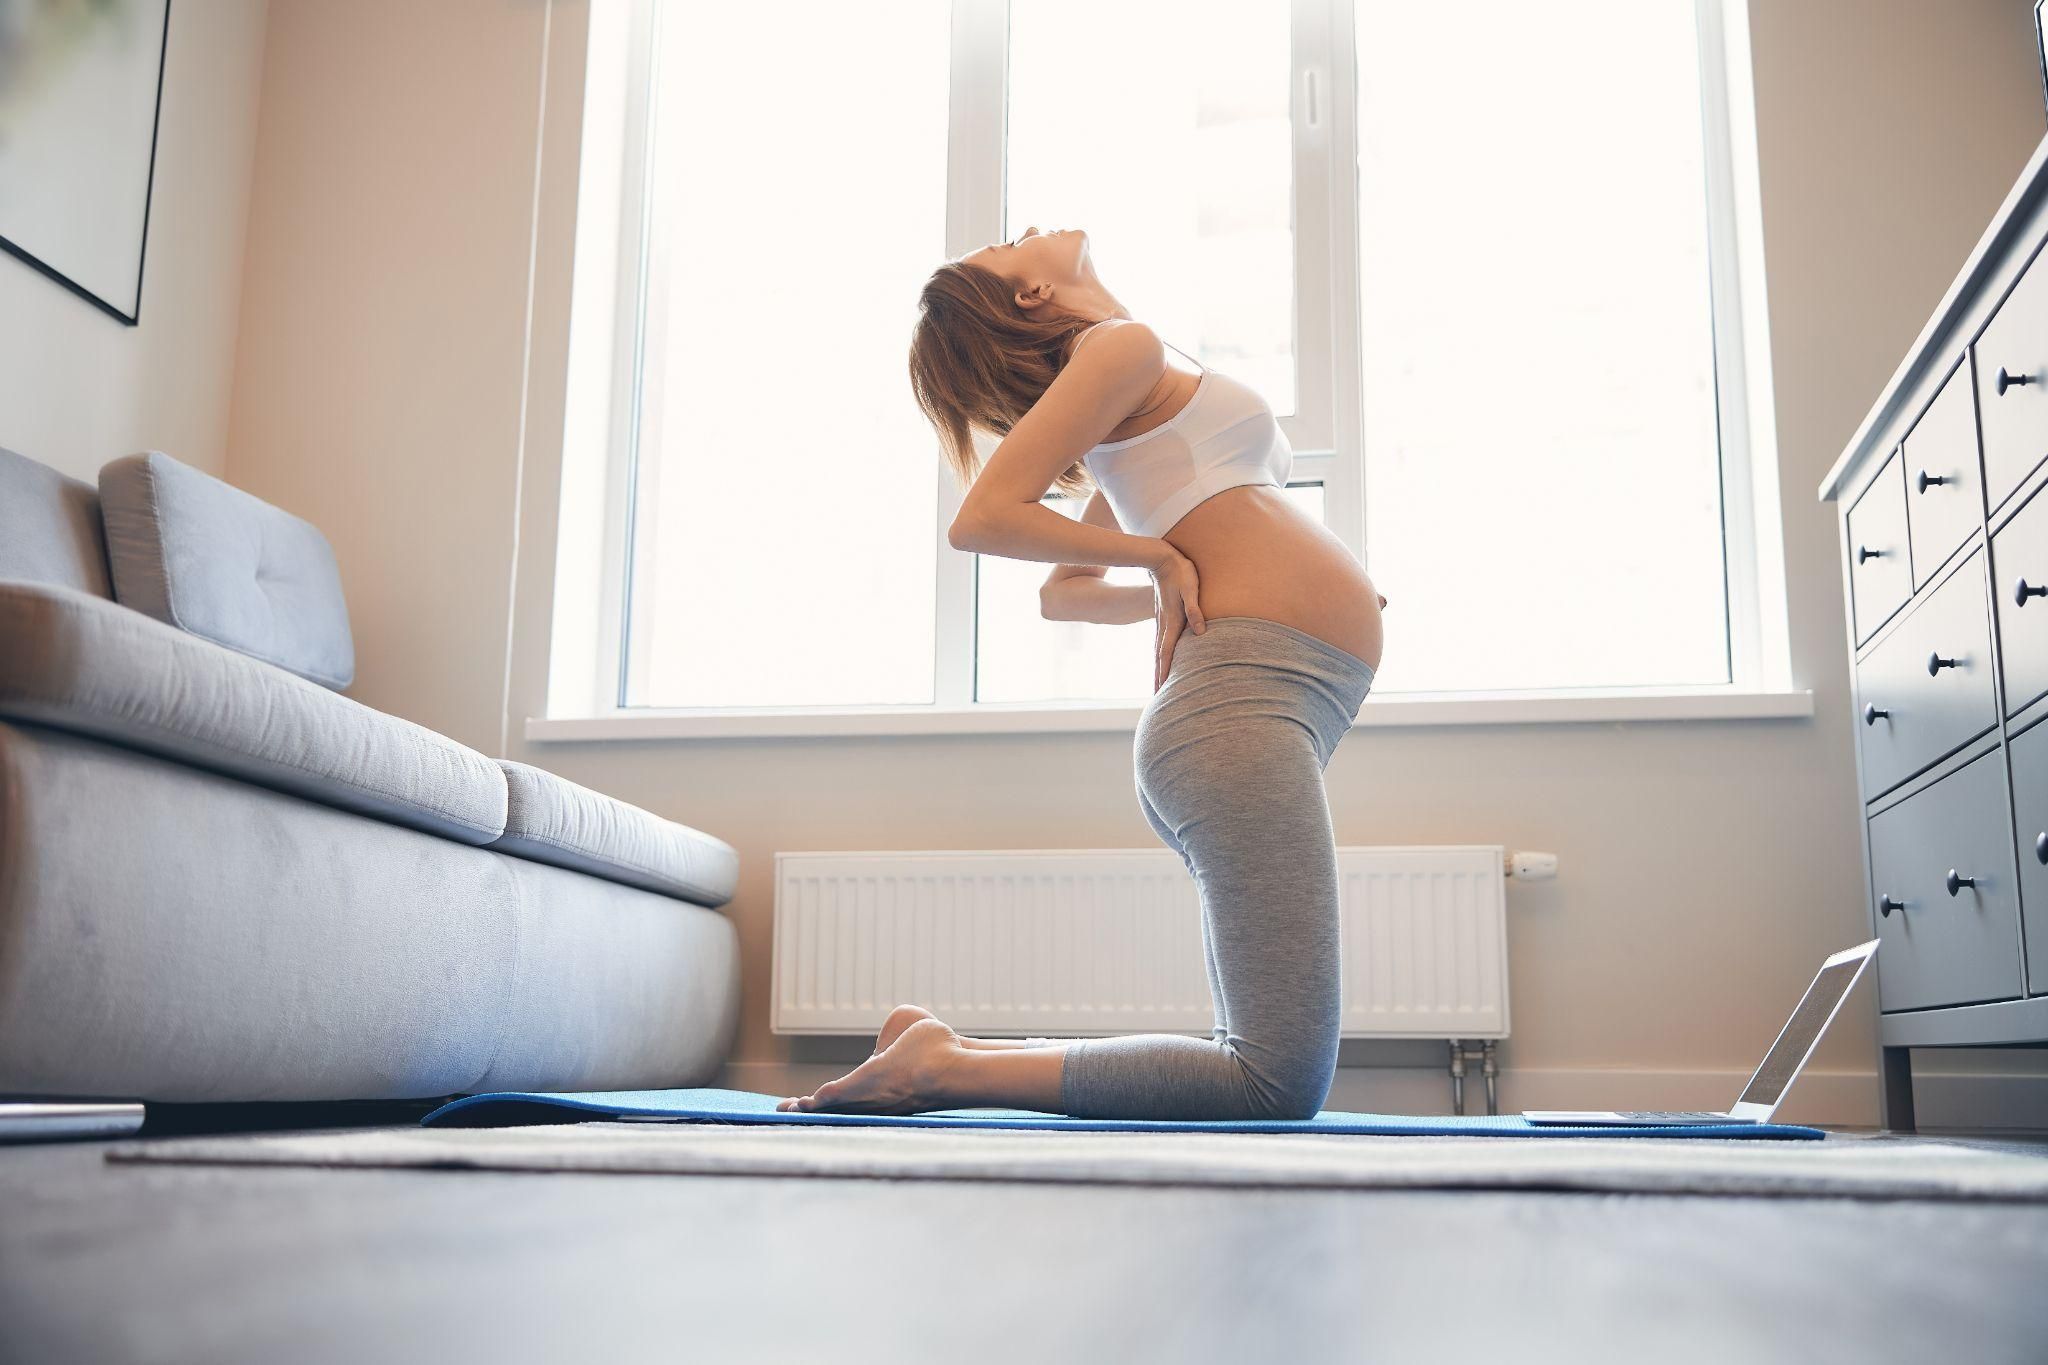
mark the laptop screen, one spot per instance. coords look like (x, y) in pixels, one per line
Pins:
(1797, 1039)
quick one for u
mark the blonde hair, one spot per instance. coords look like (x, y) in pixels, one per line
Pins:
(978, 361)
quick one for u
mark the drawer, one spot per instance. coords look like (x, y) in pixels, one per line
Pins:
(2015, 408)
(1880, 576)
(2019, 584)
(1944, 947)
(1944, 492)
(1925, 690)
(2029, 751)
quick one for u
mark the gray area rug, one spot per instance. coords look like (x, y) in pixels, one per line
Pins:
(1873, 1166)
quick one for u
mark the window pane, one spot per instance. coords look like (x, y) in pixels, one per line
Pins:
(1166, 135)
(785, 530)
(1163, 130)
(1026, 658)
(1022, 657)
(1543, 497)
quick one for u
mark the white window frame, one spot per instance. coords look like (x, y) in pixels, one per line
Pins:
(1325, 432)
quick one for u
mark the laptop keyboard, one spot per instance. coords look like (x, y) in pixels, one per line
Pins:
(1676, 1116)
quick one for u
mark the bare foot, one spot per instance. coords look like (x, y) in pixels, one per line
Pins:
(900, 1018)
(907, 1077)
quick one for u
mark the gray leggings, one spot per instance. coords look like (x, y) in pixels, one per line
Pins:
(1229, 758)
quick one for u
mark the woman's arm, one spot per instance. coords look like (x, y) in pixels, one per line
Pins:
(1035, 531)
(1091, 599)
(1078, 592)
(1002, 514)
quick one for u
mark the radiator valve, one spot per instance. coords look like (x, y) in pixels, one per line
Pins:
(1532, 867)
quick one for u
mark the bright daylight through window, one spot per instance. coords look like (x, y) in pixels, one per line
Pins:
(1512, 418)
(1543, 488)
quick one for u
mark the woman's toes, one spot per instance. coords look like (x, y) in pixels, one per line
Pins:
(903, 1078)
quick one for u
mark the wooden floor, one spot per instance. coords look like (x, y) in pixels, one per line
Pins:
(115, 1263)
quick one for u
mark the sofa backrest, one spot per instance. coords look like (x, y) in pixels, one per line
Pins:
(207, 557)
(50, 528)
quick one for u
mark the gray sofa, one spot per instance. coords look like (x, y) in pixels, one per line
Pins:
(222, 880)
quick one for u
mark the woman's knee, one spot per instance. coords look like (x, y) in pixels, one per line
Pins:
(1293, 1086)
(1299, 1098)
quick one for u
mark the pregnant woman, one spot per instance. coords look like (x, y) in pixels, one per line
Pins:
(1267, 635)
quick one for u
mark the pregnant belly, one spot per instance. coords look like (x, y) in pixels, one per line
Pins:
(1257, 554)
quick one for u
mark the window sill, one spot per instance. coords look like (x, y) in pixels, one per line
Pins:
(1502, 708)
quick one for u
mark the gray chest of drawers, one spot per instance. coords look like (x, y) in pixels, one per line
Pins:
(1943, 501)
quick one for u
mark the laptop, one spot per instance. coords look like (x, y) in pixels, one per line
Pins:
(1781, 1065)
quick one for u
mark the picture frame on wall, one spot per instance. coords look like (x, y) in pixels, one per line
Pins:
(2041, 50)
(81, 95)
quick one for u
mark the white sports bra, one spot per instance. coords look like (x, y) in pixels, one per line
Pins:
(1223, 437)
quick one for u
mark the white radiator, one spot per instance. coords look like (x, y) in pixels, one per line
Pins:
(1096, 941)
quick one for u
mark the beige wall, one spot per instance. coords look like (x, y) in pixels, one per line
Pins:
(1706, 865)
(384, 308)
(78, 388)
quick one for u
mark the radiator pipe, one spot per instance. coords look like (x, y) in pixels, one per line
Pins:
(1489, 1068)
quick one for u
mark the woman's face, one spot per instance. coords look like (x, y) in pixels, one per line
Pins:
(1037, 257)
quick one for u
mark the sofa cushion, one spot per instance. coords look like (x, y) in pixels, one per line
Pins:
(96, 668)
(50, 528)
(550, 819)
(188, 936)
(169, 934)
(204, 556)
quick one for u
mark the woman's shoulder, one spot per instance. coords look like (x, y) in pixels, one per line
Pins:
(1120, 341)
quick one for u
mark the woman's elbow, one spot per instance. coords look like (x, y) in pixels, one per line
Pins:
(964, 533)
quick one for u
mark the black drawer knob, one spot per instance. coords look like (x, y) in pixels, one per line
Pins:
(2010, 381)
(1885, 906)
(2041, 847)
(1864, 552)
(1926, 478)
(1955, 883)
(1871, 711)
(1935, 663)
(2021, 592)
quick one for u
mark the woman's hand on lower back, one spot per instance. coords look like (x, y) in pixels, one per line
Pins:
(1176, 606)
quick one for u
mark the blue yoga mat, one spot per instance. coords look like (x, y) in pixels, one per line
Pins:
(745, 1106)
